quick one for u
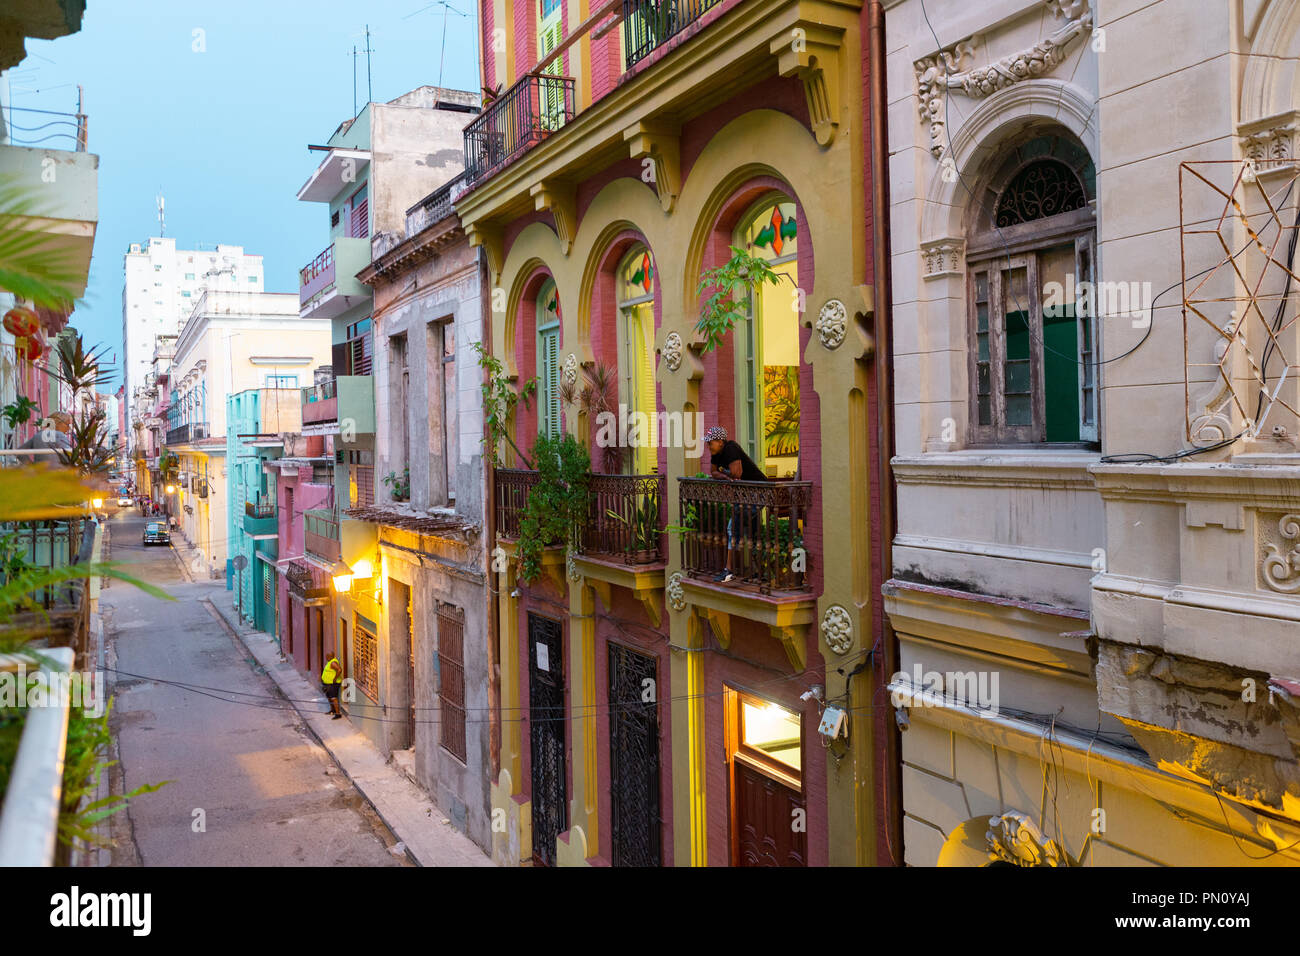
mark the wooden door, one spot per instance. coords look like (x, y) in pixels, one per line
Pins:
(765, 829)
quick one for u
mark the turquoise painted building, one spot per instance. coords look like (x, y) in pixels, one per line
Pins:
(256, 421)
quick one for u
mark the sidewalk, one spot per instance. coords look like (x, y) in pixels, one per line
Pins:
(406, 809)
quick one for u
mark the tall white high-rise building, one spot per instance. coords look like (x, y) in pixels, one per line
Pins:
(162, 285)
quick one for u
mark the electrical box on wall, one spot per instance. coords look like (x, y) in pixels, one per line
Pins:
(834, 723)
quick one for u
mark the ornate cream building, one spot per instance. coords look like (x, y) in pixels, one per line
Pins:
(1097, 562)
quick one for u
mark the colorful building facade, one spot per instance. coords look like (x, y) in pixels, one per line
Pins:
(650, 714)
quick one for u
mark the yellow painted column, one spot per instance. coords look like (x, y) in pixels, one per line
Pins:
(511, 714)
(584, 801)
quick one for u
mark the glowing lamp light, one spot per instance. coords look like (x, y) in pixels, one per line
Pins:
(97, 503)
(171, 489)
(363, 570)
(342, 583)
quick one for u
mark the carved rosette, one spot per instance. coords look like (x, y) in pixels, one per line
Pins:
(837, 629)
(571, 567)
(1014, 838)
(676, 596)
(570, 371)
(1280, 568)
(832, 323)
(673, 351)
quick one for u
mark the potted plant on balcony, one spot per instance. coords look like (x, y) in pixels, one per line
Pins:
(642, 522)
(557, 505)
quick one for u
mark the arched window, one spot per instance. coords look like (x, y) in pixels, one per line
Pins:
(767, 344)
(548, 360)
(1033, 328)
(636, 334)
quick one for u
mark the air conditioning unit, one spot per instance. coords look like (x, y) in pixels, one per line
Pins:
(200, 487)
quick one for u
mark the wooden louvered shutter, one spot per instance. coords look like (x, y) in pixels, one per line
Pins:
(641, 329)
(359, 215)
(549, 400)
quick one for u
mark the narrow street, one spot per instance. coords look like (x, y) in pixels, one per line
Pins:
(249, 785)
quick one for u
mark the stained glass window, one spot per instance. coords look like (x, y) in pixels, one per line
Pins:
(774, 233)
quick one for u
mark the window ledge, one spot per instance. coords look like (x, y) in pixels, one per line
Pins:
(1066, 468)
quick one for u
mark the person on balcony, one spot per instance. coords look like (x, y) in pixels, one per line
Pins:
(730, 463)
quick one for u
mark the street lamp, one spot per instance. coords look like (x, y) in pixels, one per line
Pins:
(342, 575)
(171, 489)
(97, 503)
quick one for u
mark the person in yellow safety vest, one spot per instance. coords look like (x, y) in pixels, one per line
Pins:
(331, 679)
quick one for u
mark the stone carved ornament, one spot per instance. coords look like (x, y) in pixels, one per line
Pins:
(837, 629)
(948, 69)
(571, 370)
(832, 323)
(673, 351)
(572, 567)
(676, 596)
(1014, 838)
(1281, 570)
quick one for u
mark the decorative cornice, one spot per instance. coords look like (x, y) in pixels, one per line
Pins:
(1270, 144)
(948, 69)
(1279, 568)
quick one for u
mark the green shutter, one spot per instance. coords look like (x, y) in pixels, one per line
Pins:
(548, 360)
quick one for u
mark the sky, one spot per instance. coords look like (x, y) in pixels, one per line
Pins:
(219, 120)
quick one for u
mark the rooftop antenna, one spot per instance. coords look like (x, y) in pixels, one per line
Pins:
(162, 218)
(370, 91)
(354, 81)
(446, 8)
(370, 95)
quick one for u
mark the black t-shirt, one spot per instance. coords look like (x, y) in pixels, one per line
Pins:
(731, 451)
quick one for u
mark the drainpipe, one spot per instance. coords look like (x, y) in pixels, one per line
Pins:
(884, 360)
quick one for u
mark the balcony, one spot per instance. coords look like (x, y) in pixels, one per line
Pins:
(184, 434)
(765, 522)
(515, 122)
(259, 518)
(348, 400)
(321, 535)
(434, 207)
(512, 485)
(328, 285)
(649, 24)
(626, 518)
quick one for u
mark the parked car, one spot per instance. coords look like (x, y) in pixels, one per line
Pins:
(155, 532)
(124, 501)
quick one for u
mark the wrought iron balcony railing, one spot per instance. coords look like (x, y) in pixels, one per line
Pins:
(649, 24)
(512, 485)
(760, 524)
(184, 434)
(626, 518)
(263, 507)
(519, 119)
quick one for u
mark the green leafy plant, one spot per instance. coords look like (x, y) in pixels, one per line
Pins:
(83, 769)
(728, 302)
(19, 411)
(643, 523)
(597, 396)
(499, 401)
(557, 504)
(400, 486)
(31, 267)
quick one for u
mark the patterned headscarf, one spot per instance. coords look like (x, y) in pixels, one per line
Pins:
(716, 433)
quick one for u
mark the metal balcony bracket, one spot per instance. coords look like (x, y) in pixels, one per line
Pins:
(492, 241)
(792, 639)
(661, 144)
(561, 200)
(811, 52)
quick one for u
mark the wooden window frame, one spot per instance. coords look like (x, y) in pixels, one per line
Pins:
(448, 664)
(629, 371)
(994, 254)
(367, 679)
(548, 373)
